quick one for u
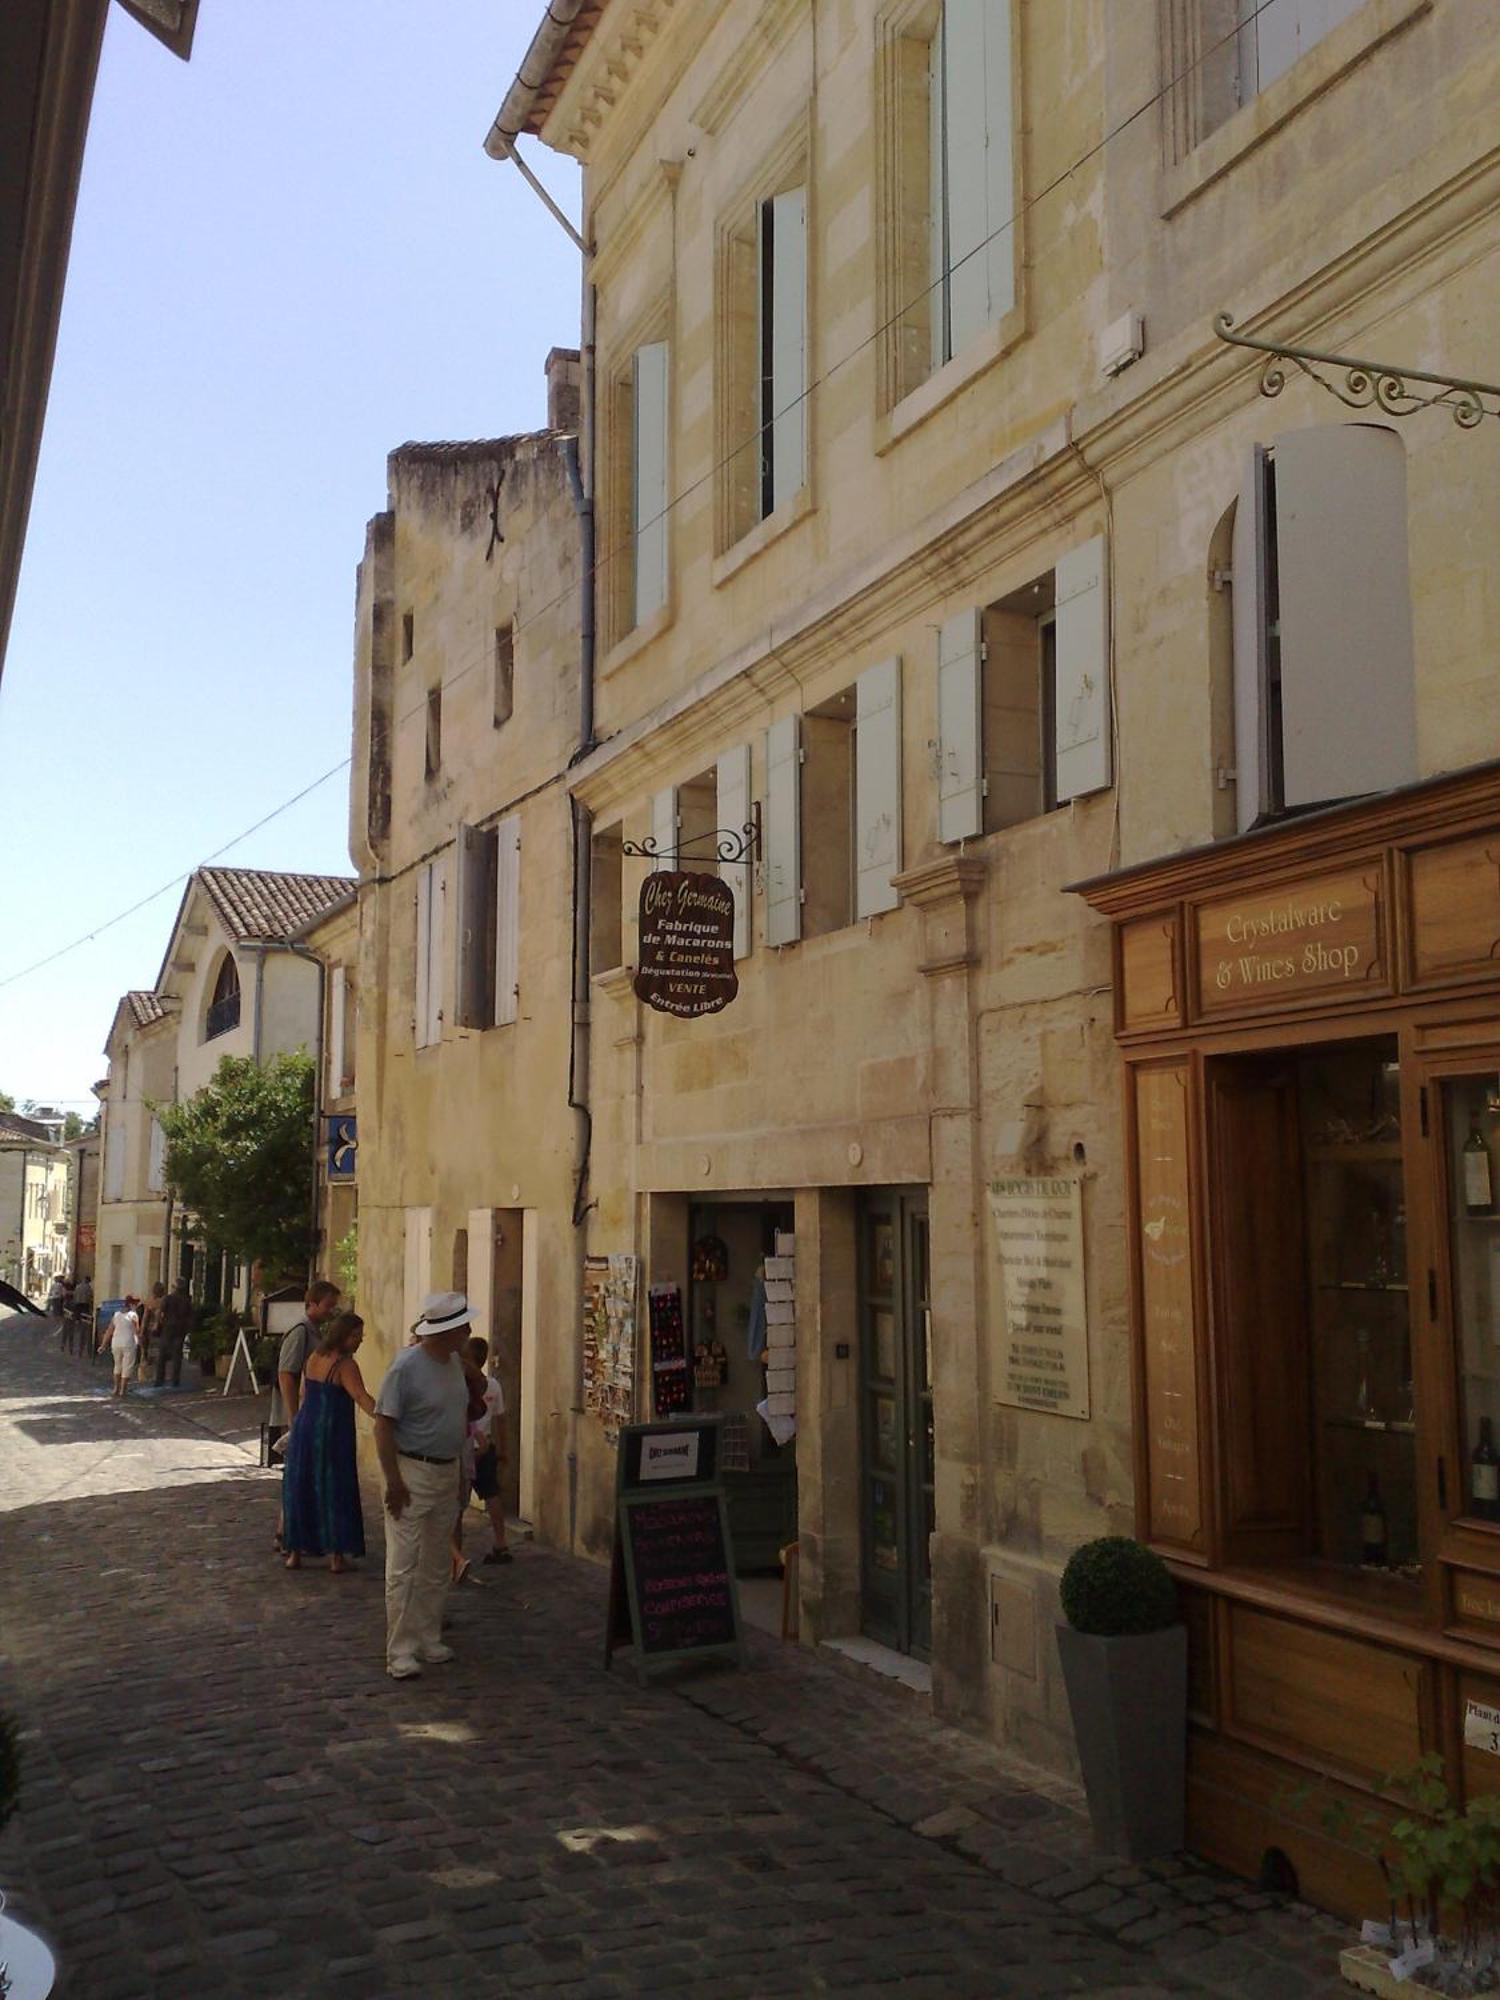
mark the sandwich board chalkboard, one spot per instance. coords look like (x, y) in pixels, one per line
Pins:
(672, 1591)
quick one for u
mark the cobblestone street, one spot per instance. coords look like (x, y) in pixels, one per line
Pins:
(224, 1795)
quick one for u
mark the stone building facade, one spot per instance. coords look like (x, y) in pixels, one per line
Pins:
(36, 1206)
(936, 526)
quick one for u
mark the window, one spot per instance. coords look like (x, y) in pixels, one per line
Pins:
(606, 864)
(972, 177)
(1228, 51)
(781, 415)
(1324, 701)
(408, 635)
(431, 890)
(487, 973)
(505, 673)
(638, 488)
(434, 749)
(1023, 700)
(224, 1007)
(156, 1159)
(114, 1155)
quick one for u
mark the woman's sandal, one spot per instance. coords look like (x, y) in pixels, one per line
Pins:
(293, 1561)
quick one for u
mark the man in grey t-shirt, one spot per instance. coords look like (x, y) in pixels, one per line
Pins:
(296, 1344)
(421, 1414)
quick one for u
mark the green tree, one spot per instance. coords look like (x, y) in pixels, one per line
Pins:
(72, 1125)
(7, 1102)
(239, 1156)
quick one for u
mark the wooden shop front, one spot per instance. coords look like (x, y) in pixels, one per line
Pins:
(1309, 1018)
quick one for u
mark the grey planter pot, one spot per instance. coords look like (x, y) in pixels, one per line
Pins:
(1129, 1703)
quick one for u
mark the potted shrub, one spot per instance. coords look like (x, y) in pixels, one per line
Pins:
(1124, 1661)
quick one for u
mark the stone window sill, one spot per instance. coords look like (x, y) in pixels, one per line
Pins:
(761, 536)
(946, 382)
(637, 639)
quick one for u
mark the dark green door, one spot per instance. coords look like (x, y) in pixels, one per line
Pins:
(896, 1448)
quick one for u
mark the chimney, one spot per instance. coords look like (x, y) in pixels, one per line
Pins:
(564, 388)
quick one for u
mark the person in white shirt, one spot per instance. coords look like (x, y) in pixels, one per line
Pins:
(483, 1456)
(123, 1335)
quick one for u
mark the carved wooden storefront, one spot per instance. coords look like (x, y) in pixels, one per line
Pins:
(1309, 1018)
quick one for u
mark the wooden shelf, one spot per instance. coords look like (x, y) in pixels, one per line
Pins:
(1357, 1151)
(1370, 1424)
(1349, 1285)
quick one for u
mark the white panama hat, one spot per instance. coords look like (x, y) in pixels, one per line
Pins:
(443, 1312)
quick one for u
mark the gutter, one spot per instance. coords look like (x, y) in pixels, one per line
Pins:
(536, 67)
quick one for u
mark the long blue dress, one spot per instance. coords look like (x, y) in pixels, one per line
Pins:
(320, 1484)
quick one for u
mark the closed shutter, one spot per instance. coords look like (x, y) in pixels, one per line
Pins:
(664, 828)
(649, 461)
(1348, 710)
(1252, 764)
(960, 728)
(422, 1011)
(479, 1282)
(1082, 722)
(999, 161)
(783, 831)
(734, 817)
(437, 997)
(788, 413)
(965, 119)
(507, 918)
(877, 788)
(114, 1154)
(337, 981)
(473, 895)
(156, 1159)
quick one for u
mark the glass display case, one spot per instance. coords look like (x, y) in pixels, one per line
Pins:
(1471, 1129)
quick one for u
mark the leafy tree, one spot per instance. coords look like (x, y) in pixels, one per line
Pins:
(7, 1102)
(72, 1125)
(239, 1156)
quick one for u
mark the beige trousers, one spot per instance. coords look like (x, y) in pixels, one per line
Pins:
(416, 1559)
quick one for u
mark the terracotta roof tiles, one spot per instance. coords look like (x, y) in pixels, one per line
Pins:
(255, 903)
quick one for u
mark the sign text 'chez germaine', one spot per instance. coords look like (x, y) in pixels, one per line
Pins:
(686, 964)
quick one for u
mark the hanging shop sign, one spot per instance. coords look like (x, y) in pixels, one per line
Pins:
(1044, 1363)
(686, 962)
(343, 1147)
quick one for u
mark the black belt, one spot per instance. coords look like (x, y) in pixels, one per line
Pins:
(424, 1458)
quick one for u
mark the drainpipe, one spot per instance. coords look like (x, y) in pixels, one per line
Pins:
(301, 951)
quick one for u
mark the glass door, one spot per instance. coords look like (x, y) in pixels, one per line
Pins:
(896, 1436)
(1470, 1131)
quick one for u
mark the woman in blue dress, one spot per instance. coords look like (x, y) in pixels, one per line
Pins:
(320, 1483)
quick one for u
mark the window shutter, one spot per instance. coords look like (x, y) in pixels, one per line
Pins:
(479, 1283)
(877, 788)
(937, 200)
(438, 931)
(788, 412)
(734, 816)
(423, 1005)
(472, 896)
(649, 462)
(960, 728)
(336, 982)
(783, 831)
(507, 918)
(999, 161)
(1081, 722)
(1252, 784)
(965, 175)
(1348, 712)
(156, 1159)
(665, 829)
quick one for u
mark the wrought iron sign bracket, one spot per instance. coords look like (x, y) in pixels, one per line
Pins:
(1367, 385)
(729, 845)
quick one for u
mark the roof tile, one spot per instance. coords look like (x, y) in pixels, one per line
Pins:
(255, 903)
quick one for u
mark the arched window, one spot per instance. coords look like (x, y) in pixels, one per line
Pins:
(224, 1008)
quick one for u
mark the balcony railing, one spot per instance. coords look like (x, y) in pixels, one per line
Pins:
(223, 1016)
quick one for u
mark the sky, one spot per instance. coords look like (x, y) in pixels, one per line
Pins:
(291, 255)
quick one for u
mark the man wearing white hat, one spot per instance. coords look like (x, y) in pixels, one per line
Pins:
(421, 1414)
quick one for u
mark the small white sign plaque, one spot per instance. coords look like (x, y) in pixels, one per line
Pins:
(1482, 1727)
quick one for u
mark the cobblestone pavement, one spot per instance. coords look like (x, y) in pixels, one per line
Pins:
(224, 1795)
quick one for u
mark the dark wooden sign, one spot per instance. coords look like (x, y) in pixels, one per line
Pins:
(672, 1589)
(686, 964)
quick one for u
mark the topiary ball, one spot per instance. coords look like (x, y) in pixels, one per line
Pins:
(1113, 1587)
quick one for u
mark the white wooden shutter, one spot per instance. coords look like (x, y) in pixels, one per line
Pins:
(156, 1159)
(1081, 722)
(782, 832)
(473, 889)
(114, 1153)
(1348, 712)
(960, 685)
(788, 411)
(337, 979)
(507, 918)
(999, 161)
(967, 207)
(437, 997)
(664, 829)
(649, 462)
(422, 1011)
(479, 1284)
(1248, 585)
(734, 815)
(877, 788)
(937, 206)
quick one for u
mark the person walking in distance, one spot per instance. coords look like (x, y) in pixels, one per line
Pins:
(82, 1311)
(297, 1344)
(124, 1338)
(176, 1325)
(151, 1323)
(421, 1414)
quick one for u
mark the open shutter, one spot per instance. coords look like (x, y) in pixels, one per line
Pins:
(507, 918)
(650, 474)
(734, 816)
(877, 788)
(437, 998)
(1348, 710)
(960, 728)
(1252, 786)
(999, 161)
(965, 120)
(1081, 721)
(664, 828)
(476, 849)
(337, 983)
(156, 1160)
(422, 1011)
(783, 831)
(788, 344)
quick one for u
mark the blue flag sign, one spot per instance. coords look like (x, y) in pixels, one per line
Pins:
(342, 1145)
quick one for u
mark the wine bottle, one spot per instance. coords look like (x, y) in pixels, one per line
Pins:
(1374, 1542)
(1484, 1476)
(1479, 1180)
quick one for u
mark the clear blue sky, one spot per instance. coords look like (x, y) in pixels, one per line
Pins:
(291, 255)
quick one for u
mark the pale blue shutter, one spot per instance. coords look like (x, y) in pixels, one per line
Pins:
(422, 1009)
(664, 828)
(1251, 708)
(877, 788)
(788, 344)
(649, 465)
(507, 918)
(734, 815)
(965, 120)
(960, 728)
(1082, 733)
(783, 831)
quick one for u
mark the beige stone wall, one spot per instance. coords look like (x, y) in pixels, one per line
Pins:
(142, 1067)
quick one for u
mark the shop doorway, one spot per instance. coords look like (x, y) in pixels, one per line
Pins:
(896, 1455)
(729, 1243)
(489, 1258)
